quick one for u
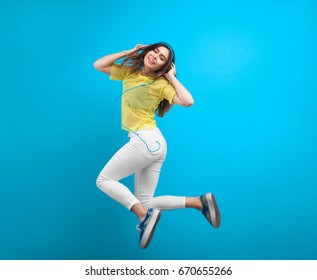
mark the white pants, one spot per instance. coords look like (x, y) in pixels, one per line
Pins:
(143, 156)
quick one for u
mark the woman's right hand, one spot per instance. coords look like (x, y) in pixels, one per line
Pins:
(103, 64)
(137, 47)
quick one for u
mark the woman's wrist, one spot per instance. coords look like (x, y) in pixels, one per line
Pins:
(128, 52)
(169, 76)
(125, 53)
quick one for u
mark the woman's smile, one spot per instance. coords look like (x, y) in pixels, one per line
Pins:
(151, 60)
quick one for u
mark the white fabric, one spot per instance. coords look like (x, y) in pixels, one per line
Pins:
(143, 156)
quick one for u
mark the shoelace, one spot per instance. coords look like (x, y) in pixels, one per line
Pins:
(138, 228)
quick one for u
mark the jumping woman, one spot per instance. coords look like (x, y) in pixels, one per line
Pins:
(150, 86)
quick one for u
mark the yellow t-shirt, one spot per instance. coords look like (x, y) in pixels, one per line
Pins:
(140, 98)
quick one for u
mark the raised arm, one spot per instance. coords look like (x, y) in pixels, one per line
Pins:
(182, 96)
(103, 64)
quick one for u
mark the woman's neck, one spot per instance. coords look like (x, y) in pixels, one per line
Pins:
(147, 73)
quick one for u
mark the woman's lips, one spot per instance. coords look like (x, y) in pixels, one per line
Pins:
(151, 61)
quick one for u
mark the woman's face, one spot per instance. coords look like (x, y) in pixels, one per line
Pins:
(155, 59)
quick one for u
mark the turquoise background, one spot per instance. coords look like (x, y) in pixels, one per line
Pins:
(250, 138)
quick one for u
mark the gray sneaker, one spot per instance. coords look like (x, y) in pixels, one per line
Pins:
(210, 209)
(147, 226)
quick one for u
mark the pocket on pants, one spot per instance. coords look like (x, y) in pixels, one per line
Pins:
(151, 146)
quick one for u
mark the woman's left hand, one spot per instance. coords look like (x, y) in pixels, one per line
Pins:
(172, 71)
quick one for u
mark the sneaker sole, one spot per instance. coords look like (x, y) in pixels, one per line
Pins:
(148, 233)
(213, 210)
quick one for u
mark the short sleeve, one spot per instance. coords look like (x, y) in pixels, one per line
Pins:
(119, 72)
(168, 92)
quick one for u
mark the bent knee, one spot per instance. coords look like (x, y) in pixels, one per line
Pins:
(101, 181)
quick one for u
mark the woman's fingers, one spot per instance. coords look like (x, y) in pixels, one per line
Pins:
(138, 46)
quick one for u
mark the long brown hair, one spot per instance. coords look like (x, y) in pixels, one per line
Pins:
(136, 61)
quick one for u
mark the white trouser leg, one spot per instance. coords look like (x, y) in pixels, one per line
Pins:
(146, 150)
(143, 156)
(168, 202)
(124, 163)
